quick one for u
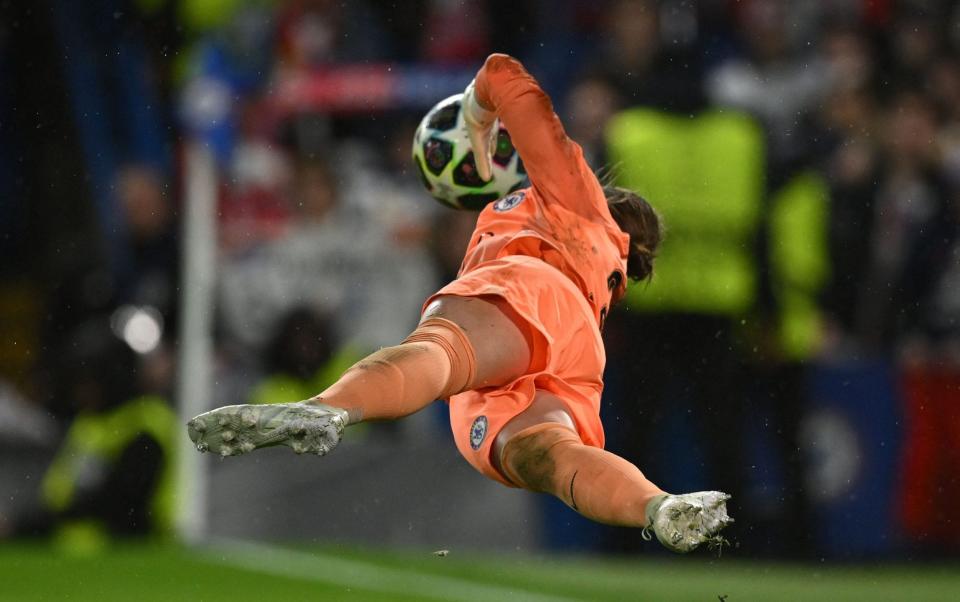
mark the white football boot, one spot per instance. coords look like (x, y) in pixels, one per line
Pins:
(234, 430)
(683, 522)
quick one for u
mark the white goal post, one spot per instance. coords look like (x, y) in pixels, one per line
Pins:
(195, 353)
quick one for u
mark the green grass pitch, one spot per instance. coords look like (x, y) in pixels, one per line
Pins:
(236, 571)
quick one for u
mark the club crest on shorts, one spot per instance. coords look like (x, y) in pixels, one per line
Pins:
(509, 202)
(478, 432)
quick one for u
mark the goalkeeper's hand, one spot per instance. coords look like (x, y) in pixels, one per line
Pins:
(480, 127)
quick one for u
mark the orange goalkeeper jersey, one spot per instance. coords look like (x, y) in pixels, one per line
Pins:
(562, 218)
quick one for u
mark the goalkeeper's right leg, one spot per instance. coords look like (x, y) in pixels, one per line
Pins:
(388, 384)
(436, 361)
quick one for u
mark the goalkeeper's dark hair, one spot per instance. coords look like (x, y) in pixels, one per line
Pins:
(637, 218)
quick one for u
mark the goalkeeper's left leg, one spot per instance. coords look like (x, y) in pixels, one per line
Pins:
(540, 450)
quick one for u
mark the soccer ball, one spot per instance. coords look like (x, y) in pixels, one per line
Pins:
(444, 160)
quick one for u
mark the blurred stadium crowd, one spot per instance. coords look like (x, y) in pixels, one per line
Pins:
(799, 345)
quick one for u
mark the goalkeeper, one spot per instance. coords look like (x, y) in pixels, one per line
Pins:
(514, 342)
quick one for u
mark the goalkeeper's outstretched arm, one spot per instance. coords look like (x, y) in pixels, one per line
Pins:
(555, 163)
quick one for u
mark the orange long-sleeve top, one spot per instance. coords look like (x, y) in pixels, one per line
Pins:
(562, 218)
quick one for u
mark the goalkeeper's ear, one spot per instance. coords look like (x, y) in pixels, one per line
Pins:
(480, 128)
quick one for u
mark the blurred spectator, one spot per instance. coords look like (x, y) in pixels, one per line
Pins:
(684, 375)
(590, 103)
(773, 80)
(455, 32)
(153, 250)
(150, 277)
(643, 65)
(914, 42)
(852, 166)
(113, 474)
(943, 89)
(382, 182)
(254, 209)
(314, 33)
(303, 359)
(114, 99)
(911, 228)
(848, 57)
(784, 333)
(915, 265)
(334, 258)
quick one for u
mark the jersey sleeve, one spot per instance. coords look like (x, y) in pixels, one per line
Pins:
(553, 161)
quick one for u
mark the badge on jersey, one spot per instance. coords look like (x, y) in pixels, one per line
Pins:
(478, 432)
(509, 202)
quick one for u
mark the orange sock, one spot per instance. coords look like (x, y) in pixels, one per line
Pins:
(434, 362)
(603, 487)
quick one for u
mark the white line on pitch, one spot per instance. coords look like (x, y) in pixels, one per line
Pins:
(359, 575)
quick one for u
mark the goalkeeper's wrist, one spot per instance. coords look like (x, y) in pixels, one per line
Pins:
(474, 113)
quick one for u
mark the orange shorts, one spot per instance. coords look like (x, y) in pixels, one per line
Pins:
(567, 357)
